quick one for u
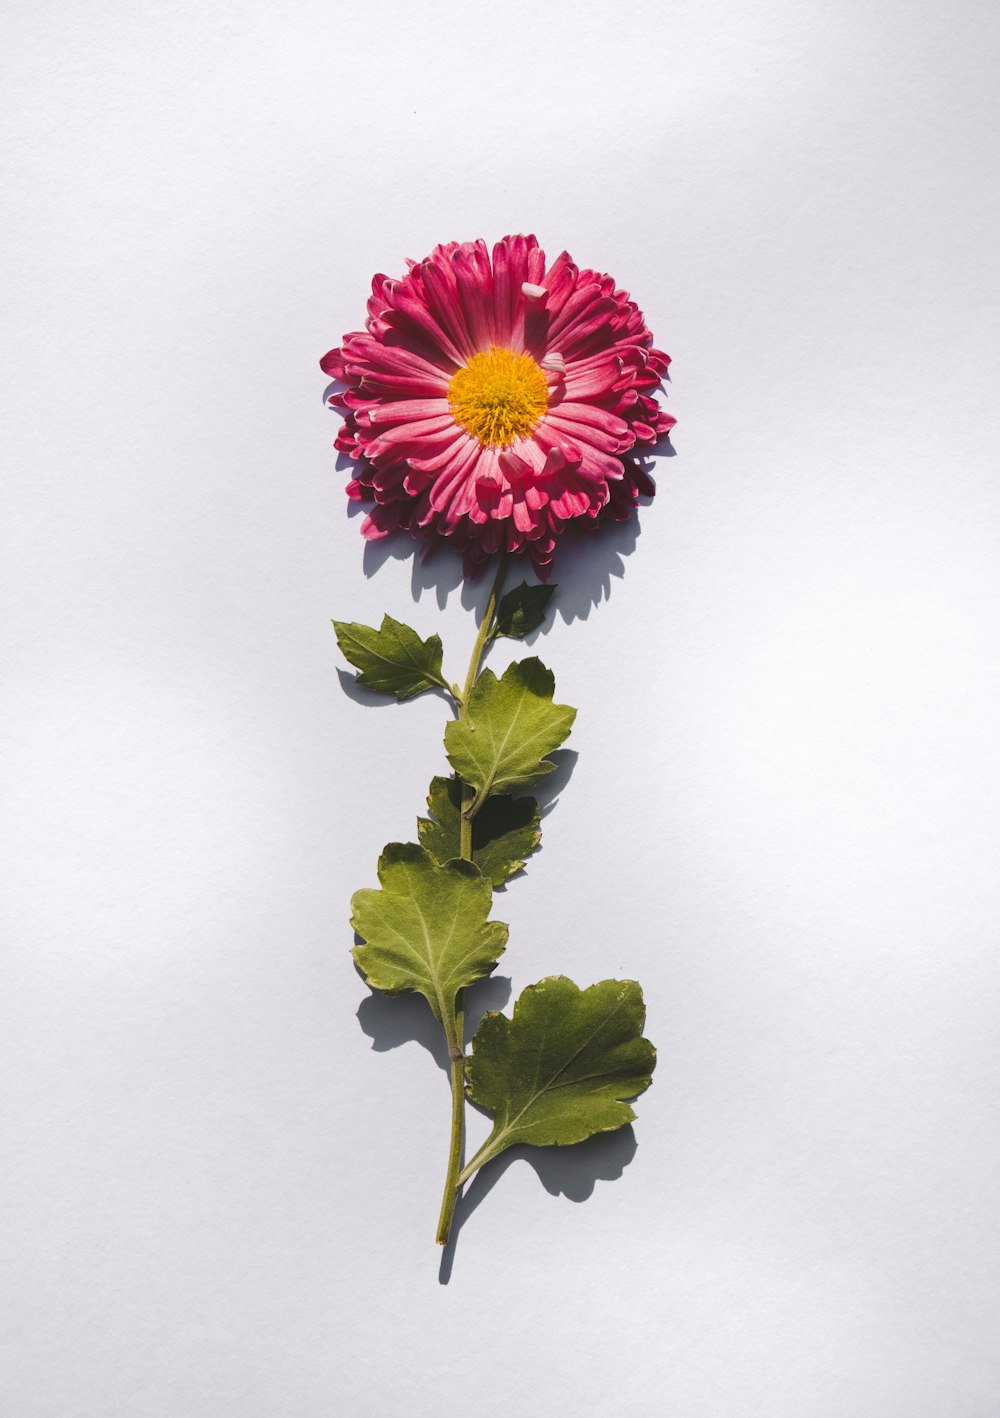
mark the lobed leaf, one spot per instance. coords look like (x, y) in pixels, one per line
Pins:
(522, 610)
(504, 834)
(561, 1068)
(426, 929)
(509, 725)
(392, 659)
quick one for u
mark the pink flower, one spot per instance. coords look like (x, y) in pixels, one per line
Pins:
(494, 403)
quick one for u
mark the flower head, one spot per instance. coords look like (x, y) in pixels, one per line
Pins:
(494, 402)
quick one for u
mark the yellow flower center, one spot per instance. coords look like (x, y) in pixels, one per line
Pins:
(498, 396)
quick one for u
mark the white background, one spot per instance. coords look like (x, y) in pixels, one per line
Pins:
(219, 1198)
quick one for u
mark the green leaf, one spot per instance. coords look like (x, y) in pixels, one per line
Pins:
(523, 610)
(561, 1068)
(510, 724)
(392, 659)
(426, 929)
(503, 834)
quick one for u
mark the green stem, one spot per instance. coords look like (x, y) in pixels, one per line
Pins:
(478, 650)
(456, 1036)
(465, 825)
(485, 629)
(455, 1150)
(485, 1154)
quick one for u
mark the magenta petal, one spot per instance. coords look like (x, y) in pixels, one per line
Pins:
(422, 473)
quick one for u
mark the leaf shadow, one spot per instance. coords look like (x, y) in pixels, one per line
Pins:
(572, 1172)
(371, 698)
(548, 791)
(392, 1020)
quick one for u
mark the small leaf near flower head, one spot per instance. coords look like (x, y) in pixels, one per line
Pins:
(426, 929)
(523, 610)
(560, 1069)
(510, 725)
(503, 834)
(392, 659)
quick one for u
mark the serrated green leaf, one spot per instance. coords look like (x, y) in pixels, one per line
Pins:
(509, 725)
(560, 1069)
(426, 929)
(522, 610)
(392, 659)
(503, 834)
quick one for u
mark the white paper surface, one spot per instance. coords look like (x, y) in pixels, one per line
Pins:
(218, 1198)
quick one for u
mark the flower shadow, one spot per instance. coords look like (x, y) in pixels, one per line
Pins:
(586, 564)
(584, 569)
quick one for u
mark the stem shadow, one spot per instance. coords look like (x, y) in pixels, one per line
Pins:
(572, 1172)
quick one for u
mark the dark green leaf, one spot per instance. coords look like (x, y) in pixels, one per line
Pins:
(510, 725)
(503, 834)
(523, 610)
(426, 929)
(561, 1068)
(392, 659)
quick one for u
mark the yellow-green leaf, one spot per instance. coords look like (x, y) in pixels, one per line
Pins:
(392, 659)
(504, 834)
(509, 726)
(427, 928)
(522, 610)
(562, 1067)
